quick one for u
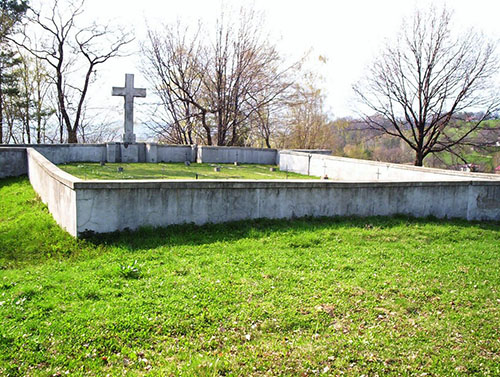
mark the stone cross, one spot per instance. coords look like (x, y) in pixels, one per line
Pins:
(129, 92)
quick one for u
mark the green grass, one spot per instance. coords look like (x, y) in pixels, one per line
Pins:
(375, 296)
(484, 157)
(177, 171)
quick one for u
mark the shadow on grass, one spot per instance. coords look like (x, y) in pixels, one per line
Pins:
(195, 235)
(12, 180)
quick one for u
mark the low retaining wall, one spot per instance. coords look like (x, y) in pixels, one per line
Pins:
(55, 188)
(228, 155)
(104, 206)
(13, 162)
(174, 153)
(65, 153)
(350, 169)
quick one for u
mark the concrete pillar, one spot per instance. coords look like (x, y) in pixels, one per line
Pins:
(199, 154)
(194, 152)
(113, 152)
(129, 152)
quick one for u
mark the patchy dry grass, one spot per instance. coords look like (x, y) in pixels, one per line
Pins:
(376, 296)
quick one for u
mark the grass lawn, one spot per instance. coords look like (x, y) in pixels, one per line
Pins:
(374, 296)
(483, 157)
(89, 170)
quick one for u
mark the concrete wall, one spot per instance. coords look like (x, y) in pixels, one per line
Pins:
(176, 153)
(350, 169)
(228, 155)
(56, 189)
(65, 153)
(13, 162)
(105, 206)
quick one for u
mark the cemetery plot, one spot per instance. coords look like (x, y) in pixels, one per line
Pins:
(177, 171)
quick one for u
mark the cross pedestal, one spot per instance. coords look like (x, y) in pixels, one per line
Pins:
(129, 92)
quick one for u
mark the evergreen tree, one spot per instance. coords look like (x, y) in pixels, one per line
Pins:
(11, 13)
(9, 61)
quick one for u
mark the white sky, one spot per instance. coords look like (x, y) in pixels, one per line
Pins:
(348, 32)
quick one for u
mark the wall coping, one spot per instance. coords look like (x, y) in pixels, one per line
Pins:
(103, 145)
(24, 146)
(263, 184)
(13, 148)
(172, 145)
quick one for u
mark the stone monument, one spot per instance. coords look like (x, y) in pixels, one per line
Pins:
(129, 92)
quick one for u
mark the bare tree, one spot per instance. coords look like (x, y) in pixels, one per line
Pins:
(32, 106)
(73, 54)
(42, 108)
(266, 122)
(210, 88)
(173, 68)
(246, 73)
(308, 124)
(14, 134)
(420, 85)
(97, 129)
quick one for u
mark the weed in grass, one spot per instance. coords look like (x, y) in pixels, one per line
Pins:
(130, 271)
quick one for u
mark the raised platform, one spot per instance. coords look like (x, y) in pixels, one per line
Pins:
(104, 206)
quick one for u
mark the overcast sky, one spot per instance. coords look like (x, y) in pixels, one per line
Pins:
(348, 32)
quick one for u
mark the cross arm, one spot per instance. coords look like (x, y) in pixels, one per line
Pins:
(139, 92)
(117, 91)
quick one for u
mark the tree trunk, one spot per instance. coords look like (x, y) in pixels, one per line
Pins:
(39, 129)
(1, 117)
(38, 113)
(27, 122)
(1, 109)
(419, 158)
(268, 144)
(207, 128)
(72, 137)
(61, 128)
